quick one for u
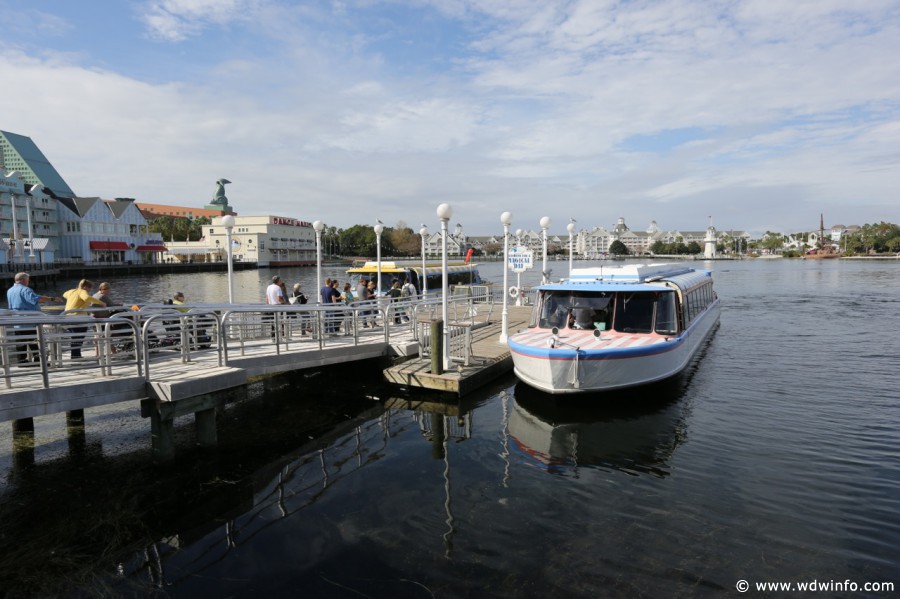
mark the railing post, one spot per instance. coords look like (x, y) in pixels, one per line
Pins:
(437, 346)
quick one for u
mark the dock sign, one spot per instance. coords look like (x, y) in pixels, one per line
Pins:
(520, 259)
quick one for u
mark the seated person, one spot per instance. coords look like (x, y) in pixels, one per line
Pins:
(582, 318)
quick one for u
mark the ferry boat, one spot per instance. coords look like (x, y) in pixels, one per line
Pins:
(458, 273)
(609, 328)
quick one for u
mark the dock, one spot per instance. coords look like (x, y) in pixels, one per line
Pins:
(175, 363)
(489, 360)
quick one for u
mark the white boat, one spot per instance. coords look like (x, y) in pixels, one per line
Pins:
(610, 328)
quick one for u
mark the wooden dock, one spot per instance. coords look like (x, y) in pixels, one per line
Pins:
(490, 360)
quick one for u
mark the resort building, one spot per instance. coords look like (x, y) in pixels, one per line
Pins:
(457, 242)
(267, 240)
(29, 186)
(97, 231)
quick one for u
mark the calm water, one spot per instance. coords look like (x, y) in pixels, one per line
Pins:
(775, 458)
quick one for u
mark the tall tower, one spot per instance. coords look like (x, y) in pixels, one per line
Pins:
(709, 250)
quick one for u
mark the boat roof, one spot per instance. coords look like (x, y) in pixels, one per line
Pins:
(401, 267)
(631, 277)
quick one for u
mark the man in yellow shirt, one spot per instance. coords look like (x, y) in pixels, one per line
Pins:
(77, 299)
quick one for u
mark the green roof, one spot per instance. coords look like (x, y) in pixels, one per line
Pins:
(19, 153)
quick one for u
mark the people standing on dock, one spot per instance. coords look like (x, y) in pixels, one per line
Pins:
(394, 293)
(349, 300)
(371, 296)
(79, 298)
(299, 298)
(362, 295)
(22, 298)
(329, 296)
(407, 293)
(335, 315)
(275, 296)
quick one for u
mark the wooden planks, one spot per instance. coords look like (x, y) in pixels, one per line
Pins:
(491, 359)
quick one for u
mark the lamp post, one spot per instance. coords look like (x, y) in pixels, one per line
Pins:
(30, 234)
(319, 226)
(519, 274)
(445, 212)
(15, 224)
(423, 233)
(506, 220)
(228, 223)
(571, 229)
(379, 229)
(545, 224)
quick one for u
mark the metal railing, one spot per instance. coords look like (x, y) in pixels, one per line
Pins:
(136, 340)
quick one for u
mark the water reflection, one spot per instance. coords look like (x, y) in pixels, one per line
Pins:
(118, 524)
(634, 432)
(440, 423)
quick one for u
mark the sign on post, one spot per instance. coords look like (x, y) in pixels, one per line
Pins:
(520, 259)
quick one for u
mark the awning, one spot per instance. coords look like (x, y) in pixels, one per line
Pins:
(109, 245)
(151, 248)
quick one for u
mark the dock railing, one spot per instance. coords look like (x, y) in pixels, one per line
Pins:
(42, 343)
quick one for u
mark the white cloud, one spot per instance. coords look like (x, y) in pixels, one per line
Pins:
(534, 113)
(177, 20)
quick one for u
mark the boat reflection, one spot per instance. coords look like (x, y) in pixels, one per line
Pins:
(626, 432)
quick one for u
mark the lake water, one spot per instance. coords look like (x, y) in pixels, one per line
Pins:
(775, 458)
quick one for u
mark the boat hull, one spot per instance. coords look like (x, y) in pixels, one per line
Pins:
(583, 363)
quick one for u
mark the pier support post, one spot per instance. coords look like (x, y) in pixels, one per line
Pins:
(162, 433)
(437, 346)
(23, 450)
(23, 425)
(75, 417)
(206, 427)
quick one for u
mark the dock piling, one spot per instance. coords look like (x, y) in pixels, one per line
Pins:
(437, 346)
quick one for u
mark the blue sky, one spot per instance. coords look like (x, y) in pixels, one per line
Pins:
(759, 113)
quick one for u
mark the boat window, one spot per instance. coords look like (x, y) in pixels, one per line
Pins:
(634, 312)
(591, 311)
(555, 307)
(666, 317)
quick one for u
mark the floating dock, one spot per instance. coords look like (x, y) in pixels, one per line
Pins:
(490, 359)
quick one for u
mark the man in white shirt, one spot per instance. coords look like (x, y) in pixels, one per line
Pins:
(274, 294)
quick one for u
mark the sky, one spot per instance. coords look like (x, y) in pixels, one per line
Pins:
(759, 115)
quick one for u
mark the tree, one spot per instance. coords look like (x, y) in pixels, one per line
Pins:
(492, 248)
(774, 242)
(359, 240)
(617, 248)
(195, 232)
(694, 248)
(404, 240)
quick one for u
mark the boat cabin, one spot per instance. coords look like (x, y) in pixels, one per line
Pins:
(660, 299)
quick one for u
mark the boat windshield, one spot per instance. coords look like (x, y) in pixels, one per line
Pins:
(635, 312)
(577, 310)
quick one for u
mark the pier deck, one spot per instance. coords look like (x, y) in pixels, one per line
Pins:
(490, 359)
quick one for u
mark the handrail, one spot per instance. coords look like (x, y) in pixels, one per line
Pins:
(133, 338)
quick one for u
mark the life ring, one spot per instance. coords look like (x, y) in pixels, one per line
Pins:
(513, 292)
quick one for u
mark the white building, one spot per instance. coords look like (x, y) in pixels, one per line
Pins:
(102, 231)
(267, 240)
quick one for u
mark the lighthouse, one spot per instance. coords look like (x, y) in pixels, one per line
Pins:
(709, 250)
